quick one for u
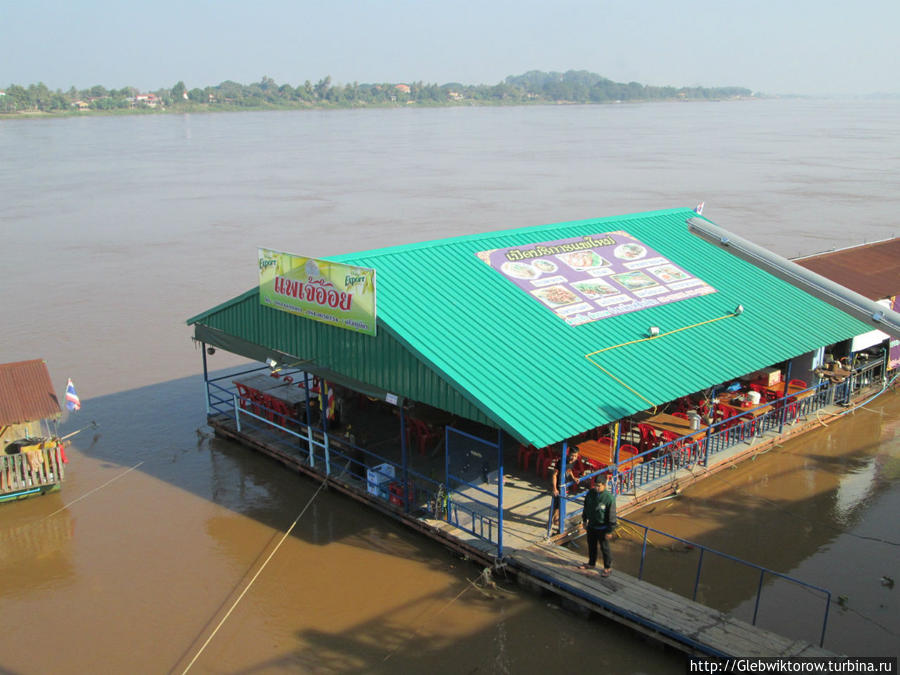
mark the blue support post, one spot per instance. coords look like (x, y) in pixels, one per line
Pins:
(237, 412)
(563, 468)
(404, 458)
(447, 470)
(499, 493)
(615, 482)
(205, 378)
(309, 435)
(784, 406)
(323, 405)
(706, 445)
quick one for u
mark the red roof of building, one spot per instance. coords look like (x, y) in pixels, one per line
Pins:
(872, 270)
(26, 392)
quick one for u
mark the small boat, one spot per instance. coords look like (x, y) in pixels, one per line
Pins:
(32, 455)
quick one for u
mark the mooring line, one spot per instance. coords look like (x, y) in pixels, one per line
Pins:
(258, 572)
(86, 494)
(468, 585)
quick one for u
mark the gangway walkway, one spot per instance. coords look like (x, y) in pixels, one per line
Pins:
(667, 616)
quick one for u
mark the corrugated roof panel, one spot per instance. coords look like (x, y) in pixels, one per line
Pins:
(872, 270)
(477, 341)
(529, 367)
(26, 392)
(383, 361)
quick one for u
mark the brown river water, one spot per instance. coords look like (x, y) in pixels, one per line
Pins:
(116, 230)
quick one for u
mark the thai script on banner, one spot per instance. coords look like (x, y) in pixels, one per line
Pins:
(333, 293)
(585, 279)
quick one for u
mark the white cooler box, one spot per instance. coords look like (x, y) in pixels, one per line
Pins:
(377, 479)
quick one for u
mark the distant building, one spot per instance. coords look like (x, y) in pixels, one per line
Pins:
(151, 100)
(402, 88)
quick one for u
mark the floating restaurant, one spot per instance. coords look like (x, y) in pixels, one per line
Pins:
(488, 359)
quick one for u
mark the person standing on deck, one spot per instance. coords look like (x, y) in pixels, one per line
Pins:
(599, 520)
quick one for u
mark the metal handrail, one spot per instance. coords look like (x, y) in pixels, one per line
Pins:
(763, 571)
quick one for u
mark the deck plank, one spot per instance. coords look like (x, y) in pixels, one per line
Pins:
(710, 630)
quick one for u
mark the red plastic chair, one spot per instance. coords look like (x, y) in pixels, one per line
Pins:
(649, 439)
(424, 435)
(798, 383)
(524, 455)
(680, 415)
(543, 464)
(246, 400)
(722, 412)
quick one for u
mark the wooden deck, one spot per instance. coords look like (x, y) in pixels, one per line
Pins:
(671, 618)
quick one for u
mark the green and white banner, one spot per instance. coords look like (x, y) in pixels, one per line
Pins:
(339, 295)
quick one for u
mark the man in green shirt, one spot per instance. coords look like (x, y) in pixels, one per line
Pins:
(599, 520)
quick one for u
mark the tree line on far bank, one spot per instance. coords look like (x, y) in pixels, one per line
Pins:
(532, 87)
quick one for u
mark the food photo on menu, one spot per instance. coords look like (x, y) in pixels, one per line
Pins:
(583, 260)
(634, 281)
(668, 273)
(555, 296)
(595, 288)
(629, 252)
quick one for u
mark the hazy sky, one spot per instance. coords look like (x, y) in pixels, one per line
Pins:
(772, 46)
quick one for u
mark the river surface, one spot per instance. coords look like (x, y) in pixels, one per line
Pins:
(117, 229)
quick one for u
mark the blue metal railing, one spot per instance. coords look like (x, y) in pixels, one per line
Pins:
(763, 571)
(665, 459)
(339, 456)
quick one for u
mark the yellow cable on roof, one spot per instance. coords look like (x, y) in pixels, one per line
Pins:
(646, 339)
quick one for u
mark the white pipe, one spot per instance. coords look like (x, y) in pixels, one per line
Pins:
(859, 306)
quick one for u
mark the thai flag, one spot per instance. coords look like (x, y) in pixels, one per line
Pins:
(699, 208)
(72, 400)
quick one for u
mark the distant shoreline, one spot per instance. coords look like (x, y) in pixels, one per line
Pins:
(574, 87)
(202, 109)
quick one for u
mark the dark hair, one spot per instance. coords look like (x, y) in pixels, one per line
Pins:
(603, 478)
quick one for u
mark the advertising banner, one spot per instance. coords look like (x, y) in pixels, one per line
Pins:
(339, 295)
(594, 277)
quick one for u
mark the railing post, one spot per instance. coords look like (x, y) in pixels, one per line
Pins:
(762, 573)
(237, 412)
(697, 580)
(643, 555)
(825, 622)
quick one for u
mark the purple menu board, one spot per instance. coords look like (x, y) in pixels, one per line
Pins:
(594, 277)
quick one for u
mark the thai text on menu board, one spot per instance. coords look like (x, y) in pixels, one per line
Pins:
(594, 277)
(330, 292)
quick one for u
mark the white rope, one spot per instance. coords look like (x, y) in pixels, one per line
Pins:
(86, 494)
(258, 572)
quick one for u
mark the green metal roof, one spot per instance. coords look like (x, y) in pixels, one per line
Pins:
(456, 334)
